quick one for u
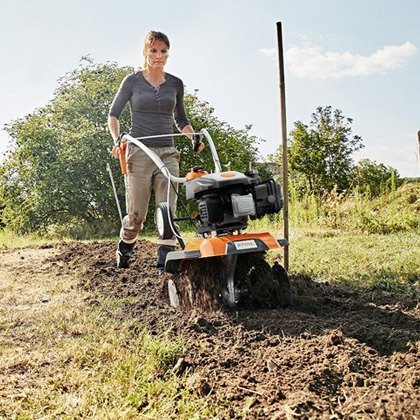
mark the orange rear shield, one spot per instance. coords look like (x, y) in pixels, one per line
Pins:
(220, 245)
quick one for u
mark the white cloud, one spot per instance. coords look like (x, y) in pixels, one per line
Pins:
(268, 52)
(313, 62)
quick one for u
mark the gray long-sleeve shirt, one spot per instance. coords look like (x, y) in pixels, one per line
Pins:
(153, 110)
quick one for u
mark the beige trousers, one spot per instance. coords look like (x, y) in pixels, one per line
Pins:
(143, 175)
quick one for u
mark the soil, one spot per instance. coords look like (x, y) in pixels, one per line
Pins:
(335, 352)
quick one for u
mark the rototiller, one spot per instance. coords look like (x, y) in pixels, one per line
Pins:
(225, 201)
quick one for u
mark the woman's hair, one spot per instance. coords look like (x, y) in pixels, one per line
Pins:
(151, 37)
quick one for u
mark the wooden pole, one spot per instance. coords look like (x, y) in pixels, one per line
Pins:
(284, 145)
(418, 146)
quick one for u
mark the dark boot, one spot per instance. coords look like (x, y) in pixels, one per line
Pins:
(162, 252)
(124, 252)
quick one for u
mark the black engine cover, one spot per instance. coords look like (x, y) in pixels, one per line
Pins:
(211, 209)
(213, 195)
(268, 198)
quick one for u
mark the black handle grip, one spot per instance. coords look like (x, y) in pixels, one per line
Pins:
(197, 142)
(119, 139)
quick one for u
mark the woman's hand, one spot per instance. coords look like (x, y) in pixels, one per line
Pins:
(189, 132)
(201, 147)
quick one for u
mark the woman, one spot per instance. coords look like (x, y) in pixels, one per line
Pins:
(156, 99)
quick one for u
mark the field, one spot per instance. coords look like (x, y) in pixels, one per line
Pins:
(80, 338)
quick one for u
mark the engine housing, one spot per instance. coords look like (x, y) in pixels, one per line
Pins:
(227, 200)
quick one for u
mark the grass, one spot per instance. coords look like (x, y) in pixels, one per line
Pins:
(372, 243)
(385, 262)
(64, 356)
(9, 239)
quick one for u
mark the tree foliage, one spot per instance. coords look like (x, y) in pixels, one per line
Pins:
(374, 178)
(54, 176)
(320, 154)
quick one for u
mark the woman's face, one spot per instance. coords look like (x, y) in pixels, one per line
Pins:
(157, 54)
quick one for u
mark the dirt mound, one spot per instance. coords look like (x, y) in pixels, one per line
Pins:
(333, 353)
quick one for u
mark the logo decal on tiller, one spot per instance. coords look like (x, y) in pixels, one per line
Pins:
(249, 244)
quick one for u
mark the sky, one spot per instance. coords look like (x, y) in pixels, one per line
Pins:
(361, 57)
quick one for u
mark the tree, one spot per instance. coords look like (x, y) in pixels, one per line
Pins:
(54, 175)
(320, 153)
(374, 178)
